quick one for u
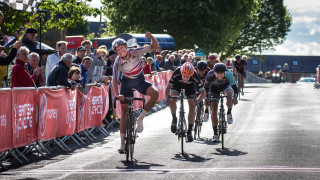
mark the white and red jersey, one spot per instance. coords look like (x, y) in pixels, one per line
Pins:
(131, 68)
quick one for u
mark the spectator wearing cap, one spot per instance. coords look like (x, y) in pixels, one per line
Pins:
(20, 76)
(169, 64)
(32, 65)
(30, 39)
(95, 62)
(81, 53)
(53, 59)
(59, 74)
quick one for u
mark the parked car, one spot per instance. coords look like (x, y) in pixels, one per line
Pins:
(306, 80)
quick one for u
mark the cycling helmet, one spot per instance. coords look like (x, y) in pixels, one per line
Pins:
(202, 65)
(244, 57)
(278, 67)
(187, 69)
(117, 42)
(219, 67)
(213, 56)
(237, 56)
(285, 64)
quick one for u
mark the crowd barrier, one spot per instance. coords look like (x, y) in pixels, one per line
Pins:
(29, 115)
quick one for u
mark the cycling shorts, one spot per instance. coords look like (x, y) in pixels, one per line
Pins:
(140, 84)
(190, 89)
(216, 93)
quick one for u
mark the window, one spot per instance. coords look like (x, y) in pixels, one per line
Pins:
(254, 62)
(295, 63)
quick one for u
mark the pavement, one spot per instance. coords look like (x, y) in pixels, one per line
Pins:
(275, 135)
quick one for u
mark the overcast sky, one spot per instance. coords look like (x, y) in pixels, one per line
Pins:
(304, 37)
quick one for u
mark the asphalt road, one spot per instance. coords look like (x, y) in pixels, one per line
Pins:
(275, 135)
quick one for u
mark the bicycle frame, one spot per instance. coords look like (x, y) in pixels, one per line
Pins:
(130, 133)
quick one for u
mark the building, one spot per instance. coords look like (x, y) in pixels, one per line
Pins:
(299, 66)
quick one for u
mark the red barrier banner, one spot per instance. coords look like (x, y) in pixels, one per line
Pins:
(92, 107)
(57, 113)
(24, 125)
(5, 121)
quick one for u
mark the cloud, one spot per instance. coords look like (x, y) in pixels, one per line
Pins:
(305, 6)
(294, 48)
(314, 29)
(304, 19)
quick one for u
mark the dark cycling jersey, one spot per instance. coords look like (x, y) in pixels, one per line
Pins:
(177, 83)
(216, 86)
(240, 66)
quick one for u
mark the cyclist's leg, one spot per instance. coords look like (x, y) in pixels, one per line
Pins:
(229, 92)
(146, 88)
(214, 119)
(174, 92)
(191, 94)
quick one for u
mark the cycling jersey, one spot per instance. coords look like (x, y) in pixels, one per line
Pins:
(240, 66)
(131, 68)
(216, 86)
(190, 87)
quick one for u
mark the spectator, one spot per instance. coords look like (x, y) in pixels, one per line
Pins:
(185, 59)
(228, 64)
(151, 63)
(85, 65)
(6, 60)
(95, 63)
(107, 71)
(53, 59)
(74, 74)
(30, 41)
(176, 60)
(20, 76)
(32, 65)
(101, 54)
(81, 53)
(59, 73)
(111, 58)
(169, 64)
(160, 62)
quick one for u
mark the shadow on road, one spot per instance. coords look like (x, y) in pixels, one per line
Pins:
(229, 152)
(204, 141)
(138, 165)
(190, 157)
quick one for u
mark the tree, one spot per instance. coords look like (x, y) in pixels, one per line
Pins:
(207, 23)
(64, 14)
(265, 28)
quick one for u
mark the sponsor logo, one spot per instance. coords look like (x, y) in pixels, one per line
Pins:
(22, 117)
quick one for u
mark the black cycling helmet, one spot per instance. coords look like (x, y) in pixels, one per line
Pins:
(117, 42)
(202, 65)
(237, 56)
(219, 67)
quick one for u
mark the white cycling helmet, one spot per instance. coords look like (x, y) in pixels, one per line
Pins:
(117, 42)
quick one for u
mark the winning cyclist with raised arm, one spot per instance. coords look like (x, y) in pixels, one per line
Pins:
(240, 66)
(184, 77)
(129, 64)
(220, 79)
